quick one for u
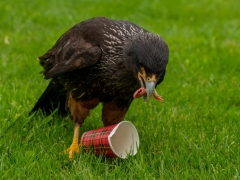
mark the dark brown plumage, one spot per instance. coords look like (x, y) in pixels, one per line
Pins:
(102, 60)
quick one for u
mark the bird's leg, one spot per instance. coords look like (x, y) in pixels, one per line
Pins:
(112, 114)
(78, 114)
(73, 149)
(79, 111)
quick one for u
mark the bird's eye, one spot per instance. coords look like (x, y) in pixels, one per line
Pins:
(148, 79)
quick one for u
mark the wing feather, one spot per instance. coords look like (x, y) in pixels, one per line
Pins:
(71, 52)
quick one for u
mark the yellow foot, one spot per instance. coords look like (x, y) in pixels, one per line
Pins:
(72, 150)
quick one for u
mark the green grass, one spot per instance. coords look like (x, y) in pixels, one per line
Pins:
(194, 134)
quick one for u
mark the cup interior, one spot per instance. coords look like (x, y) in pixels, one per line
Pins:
(124, 139)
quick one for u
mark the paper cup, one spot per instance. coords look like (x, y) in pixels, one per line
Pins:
(118, 140)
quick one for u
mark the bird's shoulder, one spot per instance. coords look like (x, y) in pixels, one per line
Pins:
(96, 30)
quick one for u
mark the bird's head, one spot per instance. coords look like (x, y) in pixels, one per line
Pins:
(147, 56)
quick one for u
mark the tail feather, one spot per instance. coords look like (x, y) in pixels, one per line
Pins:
(52, 98)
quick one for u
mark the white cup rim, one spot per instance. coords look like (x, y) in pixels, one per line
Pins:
(124, 139)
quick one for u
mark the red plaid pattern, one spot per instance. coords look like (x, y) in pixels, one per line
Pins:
(98, 141)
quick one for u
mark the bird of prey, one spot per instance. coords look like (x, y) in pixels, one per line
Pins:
(101, 60)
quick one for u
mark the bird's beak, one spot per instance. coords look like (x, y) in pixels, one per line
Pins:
(149, 86)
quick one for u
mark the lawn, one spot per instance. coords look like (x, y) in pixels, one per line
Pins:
(194, 134)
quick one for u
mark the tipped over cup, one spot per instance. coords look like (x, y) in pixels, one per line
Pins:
(118, 140)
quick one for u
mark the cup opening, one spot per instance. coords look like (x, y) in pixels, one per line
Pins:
(124, 139)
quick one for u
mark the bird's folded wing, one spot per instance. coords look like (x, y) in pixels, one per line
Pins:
(69, 54)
